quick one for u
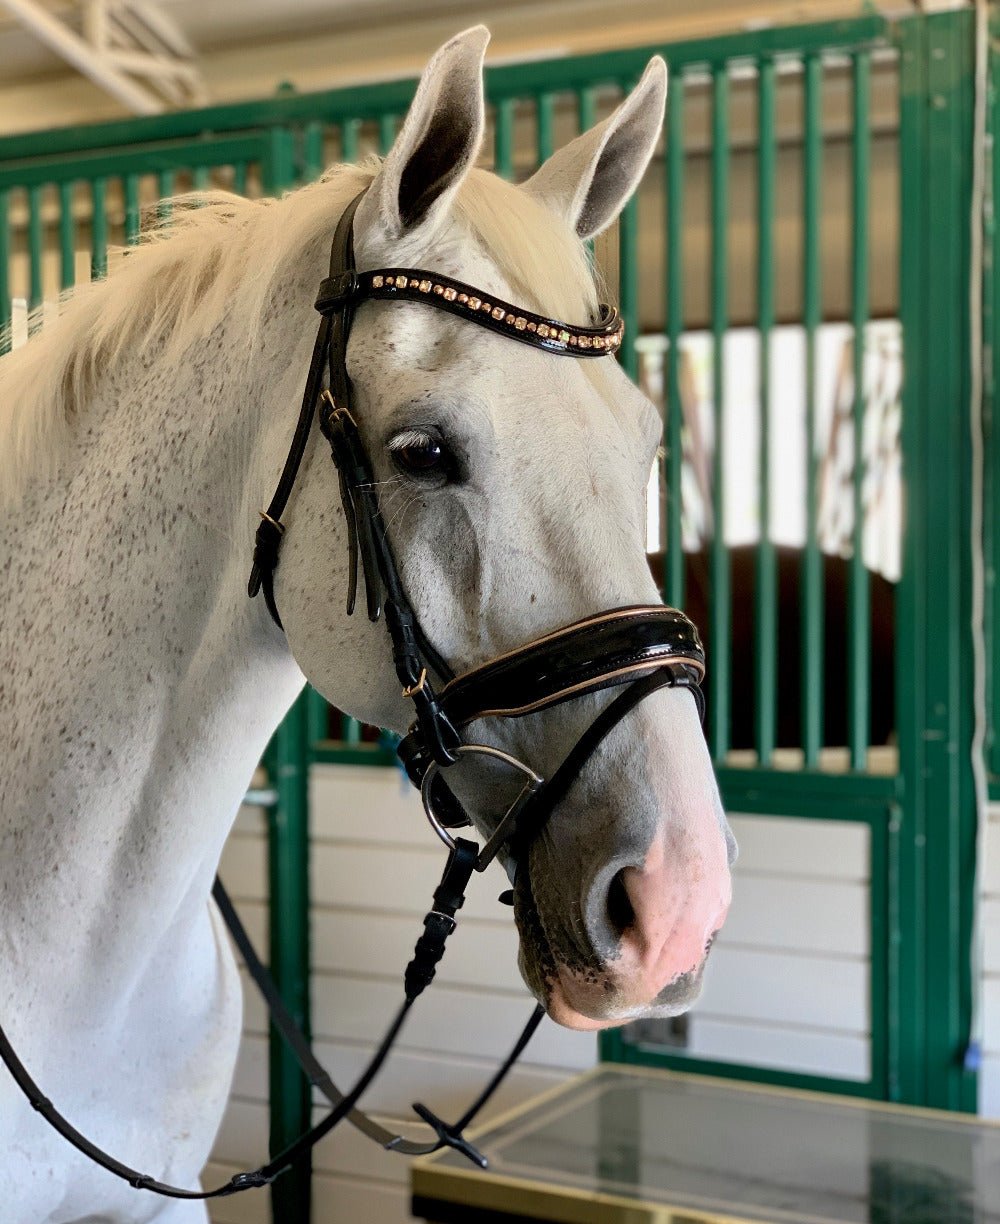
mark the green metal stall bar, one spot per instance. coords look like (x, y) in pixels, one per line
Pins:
(763, 100)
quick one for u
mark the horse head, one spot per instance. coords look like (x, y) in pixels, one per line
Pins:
(512, 487)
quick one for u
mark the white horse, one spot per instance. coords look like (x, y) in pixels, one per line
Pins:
(139, 434)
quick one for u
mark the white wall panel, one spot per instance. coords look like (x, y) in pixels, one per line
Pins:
(781, 1047)
(787, 989)
(991, 935)
(810, 916)
(991, 854)
(469, 1022)
(358, 803)
(480, 953)
(991, 1014)
(244, 867)
(394, 880)
(254, 1008)
(252, 1207)
(242, 1137)
(250, 1076)
(821, 849)
(989, 1087)
(446, 1082)
(343, 1200)
(336, 1200)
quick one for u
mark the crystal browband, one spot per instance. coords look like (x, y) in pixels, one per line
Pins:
(412, 284)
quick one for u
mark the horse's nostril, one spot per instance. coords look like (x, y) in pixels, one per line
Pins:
(621, 915)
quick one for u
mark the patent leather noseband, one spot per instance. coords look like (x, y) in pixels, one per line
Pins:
(632, 650)
(593, 654)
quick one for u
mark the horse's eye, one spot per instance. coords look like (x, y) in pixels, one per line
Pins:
(420, 454)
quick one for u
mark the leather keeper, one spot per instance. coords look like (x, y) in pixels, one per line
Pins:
(267, 542)
(336, 291)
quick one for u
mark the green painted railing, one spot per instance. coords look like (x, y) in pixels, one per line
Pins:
(720, 615)
(859, 645)
(811, 578)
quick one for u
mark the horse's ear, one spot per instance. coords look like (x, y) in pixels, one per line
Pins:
(437, 145)
(589, 181)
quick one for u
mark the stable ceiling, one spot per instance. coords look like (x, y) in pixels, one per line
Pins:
(247, 47)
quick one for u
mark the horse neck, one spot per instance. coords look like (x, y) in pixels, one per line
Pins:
(146, 685)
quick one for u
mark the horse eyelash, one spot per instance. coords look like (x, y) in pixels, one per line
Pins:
(408, 437)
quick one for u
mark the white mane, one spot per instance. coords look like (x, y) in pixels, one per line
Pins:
(223, 252)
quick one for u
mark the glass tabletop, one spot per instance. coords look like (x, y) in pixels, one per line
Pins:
(620, 1140)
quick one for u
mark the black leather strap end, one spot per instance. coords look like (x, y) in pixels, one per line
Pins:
(449, 896)
(427, 953)
(351, 461)
(435, 727)
(267, 543)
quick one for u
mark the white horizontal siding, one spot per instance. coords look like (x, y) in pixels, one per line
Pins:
(818, 1051)
(244, 866)
(374, 867)
(446, 1081)
(787, 989)
(394, 880)
(336, 1200)
(251, 1207)
(989, 1087)
(798, 915)
(465, 1022)
(802, 848)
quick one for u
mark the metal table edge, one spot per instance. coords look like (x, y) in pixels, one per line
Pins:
(522, 1198)
(798, 1094)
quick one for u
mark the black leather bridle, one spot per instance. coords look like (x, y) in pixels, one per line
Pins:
(635, 649)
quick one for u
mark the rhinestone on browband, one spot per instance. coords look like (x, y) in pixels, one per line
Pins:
(466, 302)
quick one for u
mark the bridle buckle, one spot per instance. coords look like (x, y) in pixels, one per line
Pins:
(279, 527)
(412, 690)
(337, 411)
